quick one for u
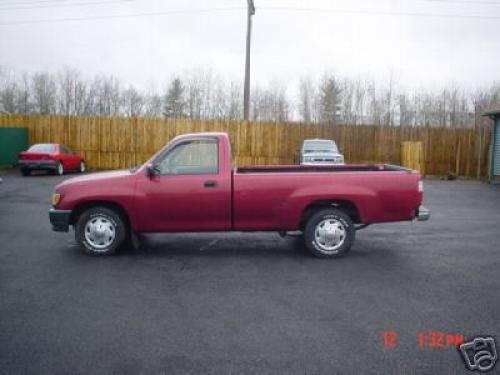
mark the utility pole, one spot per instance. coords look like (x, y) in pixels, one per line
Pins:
(246, 92)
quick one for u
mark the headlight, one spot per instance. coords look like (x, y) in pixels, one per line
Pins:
(56, 198)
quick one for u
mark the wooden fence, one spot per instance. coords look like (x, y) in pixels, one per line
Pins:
(412, 156)
(113, 142)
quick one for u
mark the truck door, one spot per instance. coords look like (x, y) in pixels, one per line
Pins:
(189, 192)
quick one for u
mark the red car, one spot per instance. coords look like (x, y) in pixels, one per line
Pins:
(52, 157)
(191, 186)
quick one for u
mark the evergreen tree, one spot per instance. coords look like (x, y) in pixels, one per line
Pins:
(174, 100)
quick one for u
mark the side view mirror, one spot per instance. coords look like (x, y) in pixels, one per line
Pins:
(152, 170)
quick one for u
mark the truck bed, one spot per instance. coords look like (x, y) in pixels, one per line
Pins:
(276, 196)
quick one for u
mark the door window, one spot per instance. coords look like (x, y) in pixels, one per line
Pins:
(193, 157)
(66, 150)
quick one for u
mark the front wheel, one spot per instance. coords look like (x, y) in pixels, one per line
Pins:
(82, 167)
(25, 171)
(100, 231)
(329, 233)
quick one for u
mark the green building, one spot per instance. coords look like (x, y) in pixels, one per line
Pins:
(495, 149)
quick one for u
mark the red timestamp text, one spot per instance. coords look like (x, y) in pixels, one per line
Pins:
(431, 339)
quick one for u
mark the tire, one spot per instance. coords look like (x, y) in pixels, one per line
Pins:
(329, 233)
(105, 239)
(25, 171)
(83, 167)
(59, 169)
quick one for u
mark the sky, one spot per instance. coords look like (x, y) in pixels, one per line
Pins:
(420, 43)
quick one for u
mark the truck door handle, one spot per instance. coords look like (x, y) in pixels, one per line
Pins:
(210, 184)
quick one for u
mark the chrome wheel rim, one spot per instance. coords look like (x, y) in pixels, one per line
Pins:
(329, 235)
(100, 232)
(82, 166)
(60, 169)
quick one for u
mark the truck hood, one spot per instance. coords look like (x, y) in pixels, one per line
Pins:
(96, 177)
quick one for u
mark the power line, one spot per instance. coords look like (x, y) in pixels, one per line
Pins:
(477, 2)
(271, 8)
(65, 5)
(379, 13)
(130, 15)
(31, 2)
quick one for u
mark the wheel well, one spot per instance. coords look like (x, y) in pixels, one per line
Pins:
(346, 206)
(79, 209)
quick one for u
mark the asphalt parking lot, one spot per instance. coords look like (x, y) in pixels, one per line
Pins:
(248, 303)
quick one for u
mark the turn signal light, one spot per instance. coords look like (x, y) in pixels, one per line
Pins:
(56, 198)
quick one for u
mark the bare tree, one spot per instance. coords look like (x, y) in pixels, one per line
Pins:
(197, 94)
(44, 93)
(80, 88)
(105, 96)
(23, 103)
(346, 110)
(359, 100)
(270, 104)
(389, 100)
(8, 92)
(200, 94)
(484, 100)
(153, 105)
(219, 100)
(235, 100)
(67, 81)
(133, 102)
(405, 117)
(375, 109)
(307, 96)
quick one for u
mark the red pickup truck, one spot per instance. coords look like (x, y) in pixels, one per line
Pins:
(191, 186)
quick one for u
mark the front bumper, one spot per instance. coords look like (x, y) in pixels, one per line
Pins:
(423, 214)
(37, 164)
(59, 219)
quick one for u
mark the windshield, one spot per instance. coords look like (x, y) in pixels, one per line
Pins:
(319, 146)
(42, 147)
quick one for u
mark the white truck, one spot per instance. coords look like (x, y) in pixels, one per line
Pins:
(319, 152)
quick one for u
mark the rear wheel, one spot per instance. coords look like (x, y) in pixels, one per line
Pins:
(59, 169)
(82, 167)
(100, 231)
(329, 233)
(25, 171)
